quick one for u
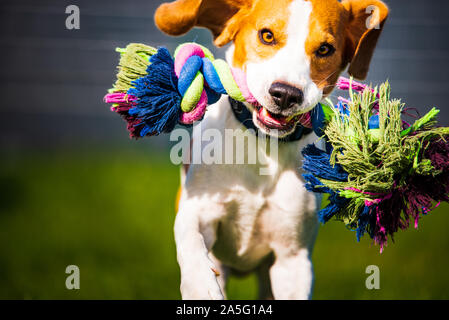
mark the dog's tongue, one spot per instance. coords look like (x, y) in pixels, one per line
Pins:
(268, 119)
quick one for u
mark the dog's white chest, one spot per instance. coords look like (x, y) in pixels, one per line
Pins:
(254, 221)
(252, 211)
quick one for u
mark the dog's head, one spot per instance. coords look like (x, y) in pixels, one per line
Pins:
(291, 50)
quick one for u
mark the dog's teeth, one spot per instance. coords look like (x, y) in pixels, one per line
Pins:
(265, 112)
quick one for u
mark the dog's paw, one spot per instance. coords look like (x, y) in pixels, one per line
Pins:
(200, 283)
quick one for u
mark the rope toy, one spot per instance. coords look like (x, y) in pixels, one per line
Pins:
(153, 92)
(378, 170)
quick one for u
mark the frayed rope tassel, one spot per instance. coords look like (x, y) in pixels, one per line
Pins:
(380, 172)
(154, 92)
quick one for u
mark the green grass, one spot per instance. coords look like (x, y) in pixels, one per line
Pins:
(112, 213)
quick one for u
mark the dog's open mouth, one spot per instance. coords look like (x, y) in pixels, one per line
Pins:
(275, 121)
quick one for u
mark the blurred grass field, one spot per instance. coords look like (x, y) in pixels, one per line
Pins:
(111, 213)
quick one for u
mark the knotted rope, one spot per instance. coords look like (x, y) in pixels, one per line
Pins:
(379, 171)
(153, 92)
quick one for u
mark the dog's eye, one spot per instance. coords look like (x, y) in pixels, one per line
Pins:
(325, 50)
(266, 37)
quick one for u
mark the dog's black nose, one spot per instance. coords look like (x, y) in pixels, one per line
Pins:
(285, 96)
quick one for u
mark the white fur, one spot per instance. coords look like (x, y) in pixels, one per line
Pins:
(290, 64)
(231, 216)
(241, 217)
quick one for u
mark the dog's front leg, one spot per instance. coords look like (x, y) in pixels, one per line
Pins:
(198, 273)
(292, 276)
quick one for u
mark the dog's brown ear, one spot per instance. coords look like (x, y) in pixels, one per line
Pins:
(178, 17)
(365, 24)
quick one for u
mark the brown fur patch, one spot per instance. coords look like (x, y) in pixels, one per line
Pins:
(178, 17)
(272, 15)
(361, 41)
(343, 25)
(327, 25)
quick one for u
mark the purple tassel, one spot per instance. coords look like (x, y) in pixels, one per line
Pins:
(419, 195)
(122, 103)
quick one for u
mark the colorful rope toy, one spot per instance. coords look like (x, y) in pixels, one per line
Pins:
(154, 93)
(378, 170)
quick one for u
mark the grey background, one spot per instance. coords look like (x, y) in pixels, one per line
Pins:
(53, 80)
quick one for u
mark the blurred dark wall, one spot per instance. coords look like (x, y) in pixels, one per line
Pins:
(52, 79)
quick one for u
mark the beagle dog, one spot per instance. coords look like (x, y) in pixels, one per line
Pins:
(231, 218)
